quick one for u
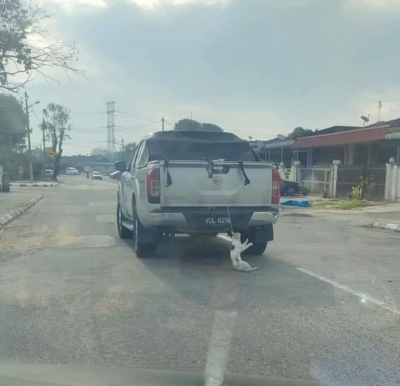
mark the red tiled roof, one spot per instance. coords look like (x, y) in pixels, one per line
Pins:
(362, 135)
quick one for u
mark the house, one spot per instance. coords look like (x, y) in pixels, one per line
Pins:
(371, 145)
(277, 150)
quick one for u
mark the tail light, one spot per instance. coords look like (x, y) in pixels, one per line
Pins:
(153, 186)
(276, 187)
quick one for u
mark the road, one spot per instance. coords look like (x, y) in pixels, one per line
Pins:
(322, 305)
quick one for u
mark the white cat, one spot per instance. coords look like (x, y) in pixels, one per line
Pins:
(236, 249)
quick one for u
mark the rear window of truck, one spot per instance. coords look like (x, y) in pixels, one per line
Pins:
(179, 150)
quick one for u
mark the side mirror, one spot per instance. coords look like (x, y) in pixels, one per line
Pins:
(120, 166)
(115, 175)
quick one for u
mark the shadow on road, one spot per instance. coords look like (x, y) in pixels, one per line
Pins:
(184, 252)
(202, 272)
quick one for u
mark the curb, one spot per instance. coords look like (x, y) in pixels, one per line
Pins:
(36, 185)
(4, 220)
(386, 226)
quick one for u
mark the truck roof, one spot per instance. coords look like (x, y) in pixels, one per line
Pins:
(206, 136)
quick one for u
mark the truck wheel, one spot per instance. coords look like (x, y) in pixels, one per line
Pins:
(142, 244)
(123, 232)
(257, 248)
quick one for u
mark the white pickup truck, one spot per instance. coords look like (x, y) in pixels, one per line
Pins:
(197, 183)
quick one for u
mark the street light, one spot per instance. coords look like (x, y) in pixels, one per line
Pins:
(29, 135)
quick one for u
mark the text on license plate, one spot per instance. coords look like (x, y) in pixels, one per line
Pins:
(217, 220)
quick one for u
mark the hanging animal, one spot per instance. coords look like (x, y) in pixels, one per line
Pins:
(236, 249)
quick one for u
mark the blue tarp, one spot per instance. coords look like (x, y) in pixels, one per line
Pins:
(298, 203)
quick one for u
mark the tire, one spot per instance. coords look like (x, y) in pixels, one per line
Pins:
(257, 248)
(143, 245)
(123, 232)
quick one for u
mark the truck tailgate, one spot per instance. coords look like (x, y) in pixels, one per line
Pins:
(220, 183)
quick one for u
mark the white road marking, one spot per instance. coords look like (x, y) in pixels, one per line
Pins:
(218, 351)
(364, 298)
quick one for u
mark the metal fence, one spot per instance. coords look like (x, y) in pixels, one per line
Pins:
(316, 179)
(351, 176)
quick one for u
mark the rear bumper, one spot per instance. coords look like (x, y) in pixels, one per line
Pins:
(193, 219)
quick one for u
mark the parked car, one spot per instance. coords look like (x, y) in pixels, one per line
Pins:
(72, 171)
(48, 173)
(97, 176)
(197, 183)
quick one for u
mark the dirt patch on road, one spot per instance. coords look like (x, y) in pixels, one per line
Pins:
(22, 237)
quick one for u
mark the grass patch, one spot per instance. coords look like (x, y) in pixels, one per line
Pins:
(325, 203)
(342, 205)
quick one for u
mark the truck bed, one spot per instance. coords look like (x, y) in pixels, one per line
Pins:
(215, 184)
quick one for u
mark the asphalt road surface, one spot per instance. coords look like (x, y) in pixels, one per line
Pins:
(323, 304)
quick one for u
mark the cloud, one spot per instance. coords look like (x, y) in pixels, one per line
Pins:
(152, 4)
(90, 5)
(253, 66)
(374, 8)
(366, 102)
(76, 5)
(374, 5)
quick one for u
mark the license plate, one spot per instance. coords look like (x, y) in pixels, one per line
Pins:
(217, 220)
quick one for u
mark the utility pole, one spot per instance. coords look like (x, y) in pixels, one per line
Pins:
(162, 121)
(379, 108)
(111, 128)
(44, 147)
(29, 139)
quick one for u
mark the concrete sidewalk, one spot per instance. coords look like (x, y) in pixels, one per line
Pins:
(36, 184)
(385, 216)
(13, 204)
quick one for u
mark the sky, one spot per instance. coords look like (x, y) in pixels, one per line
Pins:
(257, 68)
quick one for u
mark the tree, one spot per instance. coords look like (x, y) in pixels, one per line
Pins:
(19, 57)
(187, 124)
(57, 128)
(191, 125)
(12, 134)
(299, 132)
(12, 116)
(210, 127)
(101, 152)
(125, 154)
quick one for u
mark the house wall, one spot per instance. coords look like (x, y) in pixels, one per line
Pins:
(326, 155)
(371, 154)
(392, 186)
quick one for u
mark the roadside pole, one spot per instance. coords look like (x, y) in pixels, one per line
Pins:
(44, 148)
(29, 139)
(29, 135)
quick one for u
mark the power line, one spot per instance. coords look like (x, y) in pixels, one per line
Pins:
(88, 113)
(140, 126)
(169, 123)
(90, 143)
(135, 114)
